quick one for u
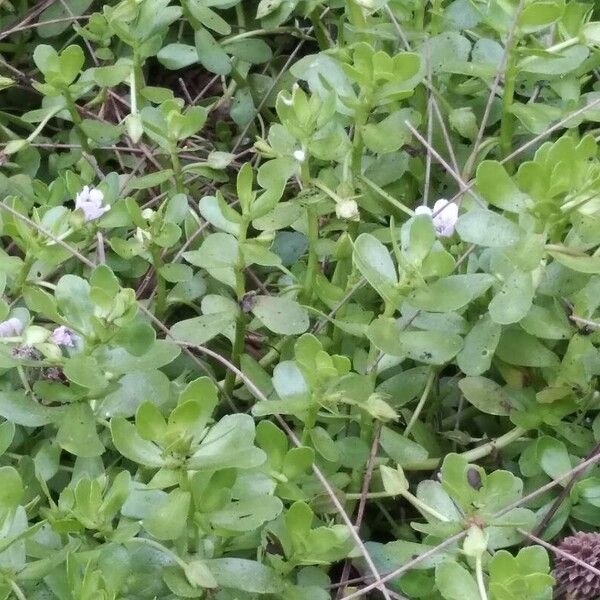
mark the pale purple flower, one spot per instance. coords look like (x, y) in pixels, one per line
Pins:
(11, 328)
(27, 352)
(89, 200)
(444, 216)
(54, 374)
(63, 336)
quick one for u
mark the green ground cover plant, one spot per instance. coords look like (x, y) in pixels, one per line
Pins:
(300, 299)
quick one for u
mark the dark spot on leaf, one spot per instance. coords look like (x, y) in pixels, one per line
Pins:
(474, 478)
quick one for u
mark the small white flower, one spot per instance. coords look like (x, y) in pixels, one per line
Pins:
(148, 214)
(89, 200)
(444, 216)
(11, 328)
(141, 235)
(63, 336)
(299, 155)
(347, 209)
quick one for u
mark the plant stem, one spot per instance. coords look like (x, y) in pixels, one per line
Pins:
(23, 272)
(43, 124)
(479, 576)
(367, 432)
(506, 123)
(133, 92)
(137, 84)
(415, 416)
(419, 16)
(387, 196)
(258, 32)
(552, 50)
(436, 20)
(236, 352)
(319, 30)
(356, 17)
(361, 116)
(416, 502)
(311, 266)
(76, 121)
(471, 455)
(419, 504)
(17, 591)
(240, 322)
(175, 162)
(161, 288)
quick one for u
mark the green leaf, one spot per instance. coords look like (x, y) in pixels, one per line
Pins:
(391, 133)
(200, 330)
(480, 344)
(118, 361)
(401, 449)
(137, 336)
(198, 574)
(266, 7)
(434, 495)
(228, 444)
(219, 255)
(129, 443)
(77, 432)
(553, 457)
(513, 300)
(216, 211)
(444, 49)
(454, 582)
(85, 371)
(72, 296)
(245, 575)
(168, 520)
(7, 434)
(281, 315)
(21, 409)
(485, 395)
(546, 322)
(209, 18)
(101, 133)
(539, 15)
(545, 63)
(496, 186)
(11, 488)
(210, 53)
(450, 293)
(61, 14)
(464, 121)
(254, 51)
(430, 347)
(394, 481)
(248, 514)
(418, 236)
(150, 180)
(111, 76)
(289, 381)
(373, 260)
(487, 228)
(519, 348)
(149, 422)
(71, 60)
(132, 390)
(581, 264)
